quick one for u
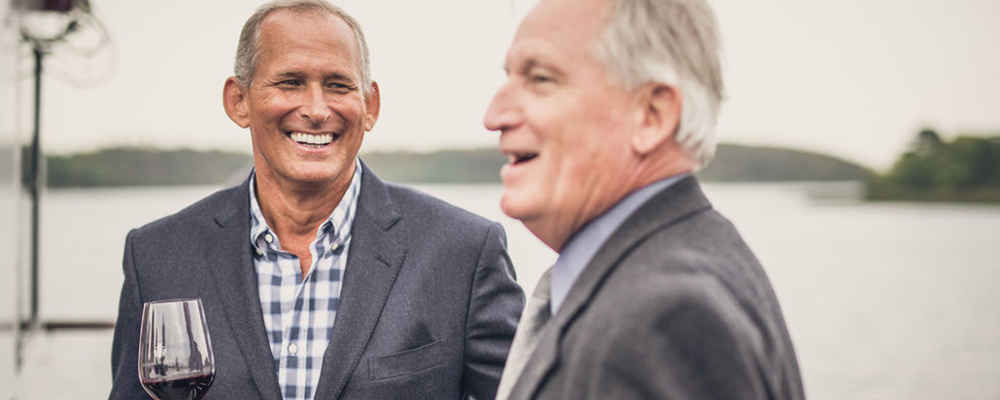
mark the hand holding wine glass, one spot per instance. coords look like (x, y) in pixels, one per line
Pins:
(175, 352)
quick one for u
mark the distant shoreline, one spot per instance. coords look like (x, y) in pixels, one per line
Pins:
(126, 166)
(136, 166)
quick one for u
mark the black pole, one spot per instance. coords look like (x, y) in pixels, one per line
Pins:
(36, 182)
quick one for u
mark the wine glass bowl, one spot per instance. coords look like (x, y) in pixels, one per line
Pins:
(175, 350)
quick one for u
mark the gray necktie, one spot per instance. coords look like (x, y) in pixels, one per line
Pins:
(529, 330)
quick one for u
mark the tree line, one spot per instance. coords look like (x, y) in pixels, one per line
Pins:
(932, 169)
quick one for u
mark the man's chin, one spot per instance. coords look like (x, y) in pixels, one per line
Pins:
(316, 179)
(507, 210)
(517, 206)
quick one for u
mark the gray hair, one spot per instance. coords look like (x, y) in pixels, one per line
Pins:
(249, 46)
(675, 42)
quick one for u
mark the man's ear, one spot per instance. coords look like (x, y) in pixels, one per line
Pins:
(372, 105)
(660, 116)
(234, 99)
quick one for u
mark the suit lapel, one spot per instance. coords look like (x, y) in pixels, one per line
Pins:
(373, 261)
(674, 203)
(228, 254)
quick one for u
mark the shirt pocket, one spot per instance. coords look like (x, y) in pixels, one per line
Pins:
(407, 362)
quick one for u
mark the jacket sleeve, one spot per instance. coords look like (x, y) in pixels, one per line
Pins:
(495, 306)
(125, 348)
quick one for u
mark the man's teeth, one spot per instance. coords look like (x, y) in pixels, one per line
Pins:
(305, 138)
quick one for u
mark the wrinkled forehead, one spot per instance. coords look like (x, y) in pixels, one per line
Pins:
(564, 26)
(580, 20)
(561, 33)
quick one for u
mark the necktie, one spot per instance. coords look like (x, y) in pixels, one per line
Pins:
(529, 330)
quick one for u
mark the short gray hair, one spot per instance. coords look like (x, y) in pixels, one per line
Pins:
(675, 42)
(249, 46)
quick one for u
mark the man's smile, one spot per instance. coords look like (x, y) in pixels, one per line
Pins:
(520, 157)
(311, 140)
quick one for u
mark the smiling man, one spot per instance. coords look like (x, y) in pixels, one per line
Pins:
(318, 279)
(654, 294)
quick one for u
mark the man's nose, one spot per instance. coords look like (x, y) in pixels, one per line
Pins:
(503, 112)
(314, 105)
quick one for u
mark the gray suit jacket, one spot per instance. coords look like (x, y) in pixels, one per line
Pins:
(673, 306)
(428, 306)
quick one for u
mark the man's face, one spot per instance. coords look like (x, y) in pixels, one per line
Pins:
(305, 106)
(562, 122)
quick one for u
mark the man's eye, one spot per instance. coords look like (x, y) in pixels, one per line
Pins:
(289, 82)
(338, 86)
(536, 78)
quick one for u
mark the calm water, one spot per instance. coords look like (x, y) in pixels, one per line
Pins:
(883, 301)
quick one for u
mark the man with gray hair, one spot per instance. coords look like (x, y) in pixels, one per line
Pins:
(654, 294)
(320, 281)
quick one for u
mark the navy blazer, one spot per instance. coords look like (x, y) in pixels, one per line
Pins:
(428, 304)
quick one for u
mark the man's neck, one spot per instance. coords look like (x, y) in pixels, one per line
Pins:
(294, 212)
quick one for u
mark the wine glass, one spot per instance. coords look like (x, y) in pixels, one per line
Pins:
(175, 352)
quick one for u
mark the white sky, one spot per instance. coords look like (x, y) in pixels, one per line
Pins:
(852, 78)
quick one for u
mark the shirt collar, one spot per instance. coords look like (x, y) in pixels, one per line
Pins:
(340, 219)
(583, 245)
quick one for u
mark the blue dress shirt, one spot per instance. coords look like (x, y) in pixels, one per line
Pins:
(582, 247)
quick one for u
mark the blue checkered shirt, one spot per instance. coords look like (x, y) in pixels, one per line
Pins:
(299, 311)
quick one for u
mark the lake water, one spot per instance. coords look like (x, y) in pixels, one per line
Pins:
(884, 301)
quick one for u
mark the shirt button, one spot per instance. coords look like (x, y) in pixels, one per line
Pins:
(259, 252)
(268, 238)
(334, 247)
(292, 349)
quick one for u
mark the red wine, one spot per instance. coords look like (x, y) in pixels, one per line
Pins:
(189, 388)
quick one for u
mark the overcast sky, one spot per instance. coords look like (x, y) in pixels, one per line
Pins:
(853, 78)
